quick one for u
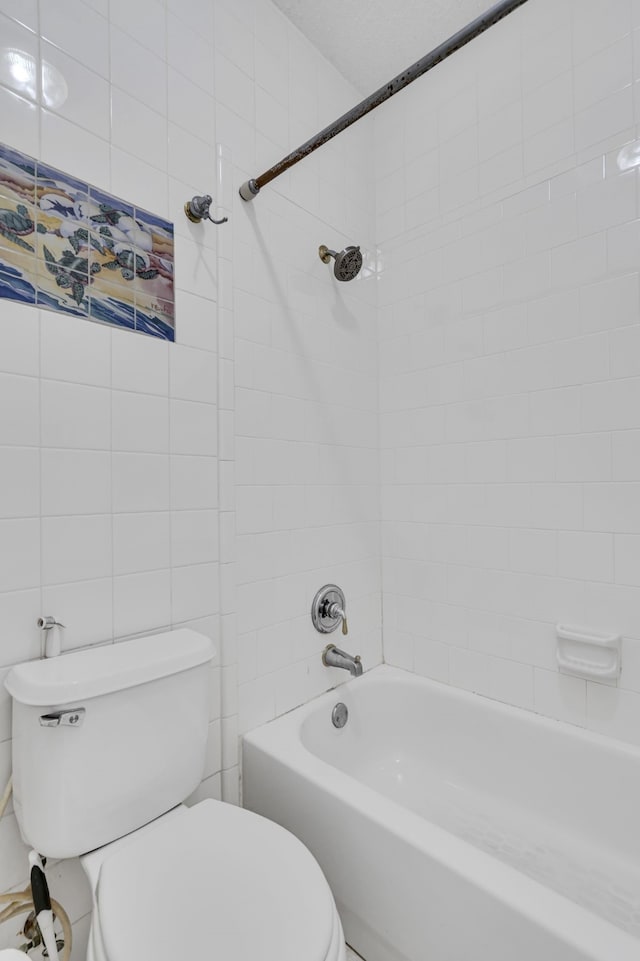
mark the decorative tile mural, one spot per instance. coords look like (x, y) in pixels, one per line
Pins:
(67, 246)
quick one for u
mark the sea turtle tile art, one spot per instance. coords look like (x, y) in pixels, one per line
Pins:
(66, 245)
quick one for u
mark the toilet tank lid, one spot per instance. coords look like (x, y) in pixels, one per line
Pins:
(101, 670)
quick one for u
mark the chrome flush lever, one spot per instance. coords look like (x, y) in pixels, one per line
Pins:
(73, 718)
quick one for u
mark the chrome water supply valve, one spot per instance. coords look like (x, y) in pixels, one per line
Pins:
(198, 209)
(51, 638)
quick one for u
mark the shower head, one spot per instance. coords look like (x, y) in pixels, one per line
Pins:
(347, 262)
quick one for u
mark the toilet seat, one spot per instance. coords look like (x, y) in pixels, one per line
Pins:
(216, 881)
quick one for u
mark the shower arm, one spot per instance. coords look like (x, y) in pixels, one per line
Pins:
(252, 187)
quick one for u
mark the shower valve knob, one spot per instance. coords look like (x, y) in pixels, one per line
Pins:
(329, 610)
(335, 611)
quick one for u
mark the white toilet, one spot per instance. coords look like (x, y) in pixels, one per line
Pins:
(107, 743)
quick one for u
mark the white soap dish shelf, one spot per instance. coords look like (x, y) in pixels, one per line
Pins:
(587, 654)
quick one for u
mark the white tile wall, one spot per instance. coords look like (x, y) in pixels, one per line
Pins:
(222, 480)
(508, 336)
(108, 443)
(121, 458)
(304, 365)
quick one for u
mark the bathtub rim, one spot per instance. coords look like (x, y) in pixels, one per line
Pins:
(388, 672)
(281, 740)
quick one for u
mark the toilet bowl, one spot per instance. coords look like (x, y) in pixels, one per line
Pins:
(128, 725)
(211, 881)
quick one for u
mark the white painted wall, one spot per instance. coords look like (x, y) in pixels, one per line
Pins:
(508, 225)
(372, 41)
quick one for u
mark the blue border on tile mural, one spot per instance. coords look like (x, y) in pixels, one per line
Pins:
(151, 219)
(68, 246)
(24, 163)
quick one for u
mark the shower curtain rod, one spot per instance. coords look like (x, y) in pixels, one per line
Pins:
(252, 187)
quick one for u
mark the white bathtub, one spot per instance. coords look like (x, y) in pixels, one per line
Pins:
(454, 828)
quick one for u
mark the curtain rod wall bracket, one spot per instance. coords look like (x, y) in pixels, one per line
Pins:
(249, 190)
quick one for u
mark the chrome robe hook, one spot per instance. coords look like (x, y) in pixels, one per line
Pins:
(198, 208)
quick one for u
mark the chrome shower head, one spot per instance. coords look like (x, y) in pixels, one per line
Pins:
(347, 262)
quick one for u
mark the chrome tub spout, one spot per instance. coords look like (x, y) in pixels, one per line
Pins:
(334, 657)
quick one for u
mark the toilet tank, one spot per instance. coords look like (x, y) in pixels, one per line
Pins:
(107, 738)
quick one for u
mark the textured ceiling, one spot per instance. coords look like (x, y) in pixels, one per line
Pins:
(370, 41)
